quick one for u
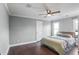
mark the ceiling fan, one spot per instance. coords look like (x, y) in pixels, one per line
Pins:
(49, 12)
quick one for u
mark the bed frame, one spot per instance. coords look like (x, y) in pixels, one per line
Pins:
(71, 33)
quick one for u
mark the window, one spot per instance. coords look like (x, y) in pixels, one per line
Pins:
(56, 27)
(75, 22)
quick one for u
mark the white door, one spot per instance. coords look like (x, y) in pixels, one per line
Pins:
(39, 30)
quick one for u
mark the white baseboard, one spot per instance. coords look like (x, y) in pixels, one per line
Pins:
(23, 43)
(6, 52)
(17, 45)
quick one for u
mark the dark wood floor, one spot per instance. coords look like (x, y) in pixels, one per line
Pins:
(31, 49)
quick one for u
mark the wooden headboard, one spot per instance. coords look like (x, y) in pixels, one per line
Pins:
(71, 33)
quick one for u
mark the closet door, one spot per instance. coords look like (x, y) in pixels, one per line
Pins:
(39, 30)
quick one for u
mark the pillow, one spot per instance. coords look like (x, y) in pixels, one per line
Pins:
(64, 35)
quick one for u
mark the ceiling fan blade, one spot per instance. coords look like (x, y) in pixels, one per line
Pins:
(55, 12)
(44, 15)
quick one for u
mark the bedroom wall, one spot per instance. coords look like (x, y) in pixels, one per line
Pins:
(65, 25)
(22, 30)
(4, 30)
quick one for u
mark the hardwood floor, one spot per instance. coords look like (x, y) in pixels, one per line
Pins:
(31, 49)
(37, 49)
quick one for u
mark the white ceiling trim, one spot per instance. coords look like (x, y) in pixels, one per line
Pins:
(27, 17)
(6, 7)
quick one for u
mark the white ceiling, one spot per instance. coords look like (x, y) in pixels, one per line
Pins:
(34, 9)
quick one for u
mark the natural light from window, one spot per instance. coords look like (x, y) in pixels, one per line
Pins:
(56, 27)
(75, 21)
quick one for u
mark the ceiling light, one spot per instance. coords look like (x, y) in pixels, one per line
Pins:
(49, 15)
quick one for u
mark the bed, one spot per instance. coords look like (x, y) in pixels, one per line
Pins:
(61, 43)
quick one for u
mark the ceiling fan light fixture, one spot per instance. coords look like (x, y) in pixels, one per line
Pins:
(49, 15)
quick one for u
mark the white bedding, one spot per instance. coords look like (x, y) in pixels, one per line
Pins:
(61, 44)
(69, 40)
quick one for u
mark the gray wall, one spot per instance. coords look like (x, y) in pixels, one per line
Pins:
(4, 30)
(21, 30)
(65, 25)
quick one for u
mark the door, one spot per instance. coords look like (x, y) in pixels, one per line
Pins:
(39, 30)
